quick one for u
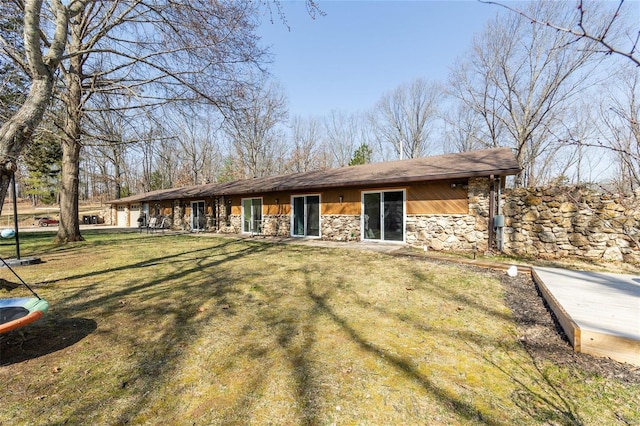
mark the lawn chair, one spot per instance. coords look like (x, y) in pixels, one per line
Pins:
(164, 223)
(152, 225)
(161, 222)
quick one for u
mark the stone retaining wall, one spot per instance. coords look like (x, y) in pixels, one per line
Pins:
(559, 222)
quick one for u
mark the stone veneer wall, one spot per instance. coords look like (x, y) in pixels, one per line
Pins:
(178, 220)
(234, 226)
(107, 215)
(276, 225)
(454, 231)
(341, 227)
(438, 232)
(561, 222)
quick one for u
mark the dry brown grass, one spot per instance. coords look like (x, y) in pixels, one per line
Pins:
(165, 329)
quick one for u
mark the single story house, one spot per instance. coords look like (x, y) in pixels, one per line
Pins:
(441, 202)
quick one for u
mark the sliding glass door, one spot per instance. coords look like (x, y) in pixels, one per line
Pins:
(252, 215)
(198, 218)
(306, 216)
(383, 215)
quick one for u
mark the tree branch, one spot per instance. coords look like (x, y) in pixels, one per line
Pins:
(583, 32)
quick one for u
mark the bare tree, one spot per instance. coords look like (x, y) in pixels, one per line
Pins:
(620, 129)
(196, 51)
(13, 80)
(404, 118)
(108, 134)
(307, 150)
(470, 83)
(463, 130)
(152, 160)
(254, 133)
(602, 23)
(153, 53)
(344, 134)
(577, 162)
(198, 147)
(521, 78)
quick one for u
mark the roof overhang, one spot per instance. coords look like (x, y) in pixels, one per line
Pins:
(484, 163)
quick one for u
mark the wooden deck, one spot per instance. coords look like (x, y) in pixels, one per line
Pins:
(600, 313)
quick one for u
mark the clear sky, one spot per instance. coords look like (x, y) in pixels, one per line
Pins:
(347, 59)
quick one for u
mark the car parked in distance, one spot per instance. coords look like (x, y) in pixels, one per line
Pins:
(46, 221)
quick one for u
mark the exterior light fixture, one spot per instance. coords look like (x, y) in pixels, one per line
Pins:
(341, 198)
(277, 201)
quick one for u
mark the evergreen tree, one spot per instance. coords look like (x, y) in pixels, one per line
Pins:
(362, 155)
(43, 157)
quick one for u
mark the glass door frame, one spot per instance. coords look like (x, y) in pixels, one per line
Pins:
(381, 192)
(255, 225)
(203, 220)
(305, 224)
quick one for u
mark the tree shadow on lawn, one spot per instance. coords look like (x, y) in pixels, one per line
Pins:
(159, 359)
(175, 258)
(173, 308)
(462, 408)
(46, 336)
(549, 403)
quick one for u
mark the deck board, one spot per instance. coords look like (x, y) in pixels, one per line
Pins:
(604, 307)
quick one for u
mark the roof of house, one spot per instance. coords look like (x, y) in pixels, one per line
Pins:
(497, 161)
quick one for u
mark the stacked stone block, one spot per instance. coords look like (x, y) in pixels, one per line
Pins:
(559, 222)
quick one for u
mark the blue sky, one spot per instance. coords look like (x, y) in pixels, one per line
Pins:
(347, 59)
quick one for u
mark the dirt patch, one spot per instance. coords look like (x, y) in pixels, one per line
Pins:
(543, 338)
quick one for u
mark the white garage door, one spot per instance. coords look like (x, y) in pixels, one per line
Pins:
(134, 214)
(121, 219)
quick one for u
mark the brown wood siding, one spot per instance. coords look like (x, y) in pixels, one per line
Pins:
(166, 208)
(276, 203)
(186, 204)
(350, 202)
(428, 198)
(437, 198)
(236, 206)
(330, 202)
(272, 203)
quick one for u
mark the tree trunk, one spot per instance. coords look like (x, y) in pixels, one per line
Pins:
(69, 229)
(117, 173)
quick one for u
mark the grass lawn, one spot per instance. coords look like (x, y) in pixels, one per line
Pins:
(178, 329)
